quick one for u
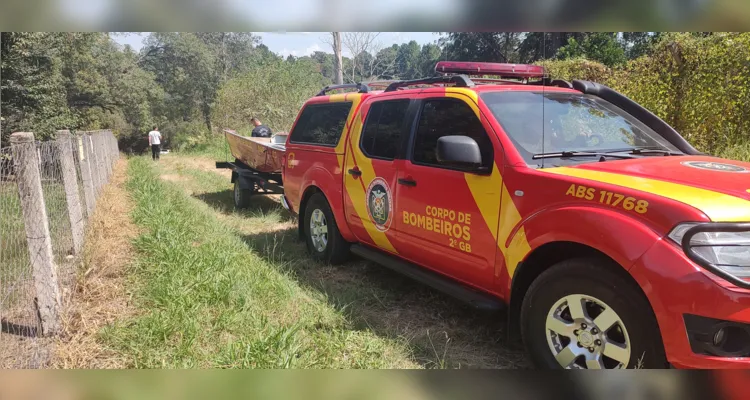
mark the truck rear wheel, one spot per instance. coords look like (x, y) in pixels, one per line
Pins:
(324, 242)
(580, 315)
(241, 196)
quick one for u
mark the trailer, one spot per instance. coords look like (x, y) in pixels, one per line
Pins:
(256, 168)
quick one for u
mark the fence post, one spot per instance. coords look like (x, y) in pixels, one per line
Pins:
(88, 183)
(112, 154)
(113, 149)
(105, 156)
(102, 158)
(94, 164)
(70, 180)
(36, 224)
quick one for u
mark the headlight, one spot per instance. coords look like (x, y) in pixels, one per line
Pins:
(727, 250)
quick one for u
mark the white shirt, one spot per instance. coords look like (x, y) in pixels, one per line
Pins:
(155, 137)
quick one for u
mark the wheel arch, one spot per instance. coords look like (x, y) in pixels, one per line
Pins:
(544, 257)
(306, 195)
(336, 208)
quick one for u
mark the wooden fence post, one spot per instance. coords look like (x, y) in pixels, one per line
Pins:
(70, 180)
(36, 225)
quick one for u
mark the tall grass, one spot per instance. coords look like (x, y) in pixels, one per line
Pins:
(207, 300)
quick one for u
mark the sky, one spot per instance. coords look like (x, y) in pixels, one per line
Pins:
(301, 43)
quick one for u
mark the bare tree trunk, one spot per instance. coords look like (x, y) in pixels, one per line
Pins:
(337, 63)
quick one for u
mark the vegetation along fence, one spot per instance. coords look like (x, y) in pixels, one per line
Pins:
(48, 190)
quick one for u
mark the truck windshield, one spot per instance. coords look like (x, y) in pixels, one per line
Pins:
(568, 123)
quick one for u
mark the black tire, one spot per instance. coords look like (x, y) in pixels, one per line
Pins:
(336, 250)
(590, 277)
(241, 196)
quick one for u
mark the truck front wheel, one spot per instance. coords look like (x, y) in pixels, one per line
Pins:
(580, 315)
(324, 242)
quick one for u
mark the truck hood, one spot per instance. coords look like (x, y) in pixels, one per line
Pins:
(718, 187)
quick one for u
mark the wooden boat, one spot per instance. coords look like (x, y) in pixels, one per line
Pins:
(261, 154)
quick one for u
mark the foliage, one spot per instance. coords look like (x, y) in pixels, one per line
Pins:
(528, 47)
(272, 91)
(578, 68)
(482, 46)
(77, 81)
(598, 46)
(193, 84)
(208, 300)
(33, 96)
(696, 83)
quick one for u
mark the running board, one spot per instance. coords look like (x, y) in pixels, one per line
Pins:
(448, 286)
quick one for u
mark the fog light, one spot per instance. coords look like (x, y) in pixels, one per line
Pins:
(716, 337)
(719, 337)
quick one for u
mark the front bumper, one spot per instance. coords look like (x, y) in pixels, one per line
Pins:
(676, 286)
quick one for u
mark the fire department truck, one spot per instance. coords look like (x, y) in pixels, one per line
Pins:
(609, 239)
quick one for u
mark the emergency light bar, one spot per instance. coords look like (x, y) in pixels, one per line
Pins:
(494, 69)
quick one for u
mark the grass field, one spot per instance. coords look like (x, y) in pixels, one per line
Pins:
(218, 288)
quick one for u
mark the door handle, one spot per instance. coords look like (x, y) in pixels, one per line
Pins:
(355, 172)
(407, 182)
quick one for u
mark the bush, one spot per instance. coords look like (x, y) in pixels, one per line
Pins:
(185, 135)
(273, 91)
(699, 85)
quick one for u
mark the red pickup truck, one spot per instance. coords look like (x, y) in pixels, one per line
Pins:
(610, 239)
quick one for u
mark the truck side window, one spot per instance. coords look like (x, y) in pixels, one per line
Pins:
(321, 124)
(442, 117)
(384, 128)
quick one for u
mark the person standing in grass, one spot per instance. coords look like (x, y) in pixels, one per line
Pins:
(154, 140)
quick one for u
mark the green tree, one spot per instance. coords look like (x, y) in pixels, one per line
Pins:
(478, 46)
(598, 46)
(407, 60)
(286, 86)
(32, 96)
(428, 57)
(537, 46)
(386, 62)
(234, 51)
(638, 44)
(191, 68)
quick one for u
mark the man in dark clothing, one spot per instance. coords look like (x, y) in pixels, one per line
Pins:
(260, 130)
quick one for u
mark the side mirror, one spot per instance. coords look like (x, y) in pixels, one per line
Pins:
(459, 151)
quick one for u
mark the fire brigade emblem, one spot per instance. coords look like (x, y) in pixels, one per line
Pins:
(715, 166)
(380, 204)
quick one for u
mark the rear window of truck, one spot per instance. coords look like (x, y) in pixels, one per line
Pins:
(384, 127)
(321, 124)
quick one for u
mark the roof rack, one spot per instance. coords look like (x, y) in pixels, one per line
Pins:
(457, 80)
(361, 88)
(382, 83)
(493, 80)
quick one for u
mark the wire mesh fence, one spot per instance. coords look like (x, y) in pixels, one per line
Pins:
(47, 190)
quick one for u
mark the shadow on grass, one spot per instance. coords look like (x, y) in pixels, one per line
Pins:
(223, 202)
(441, 331)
